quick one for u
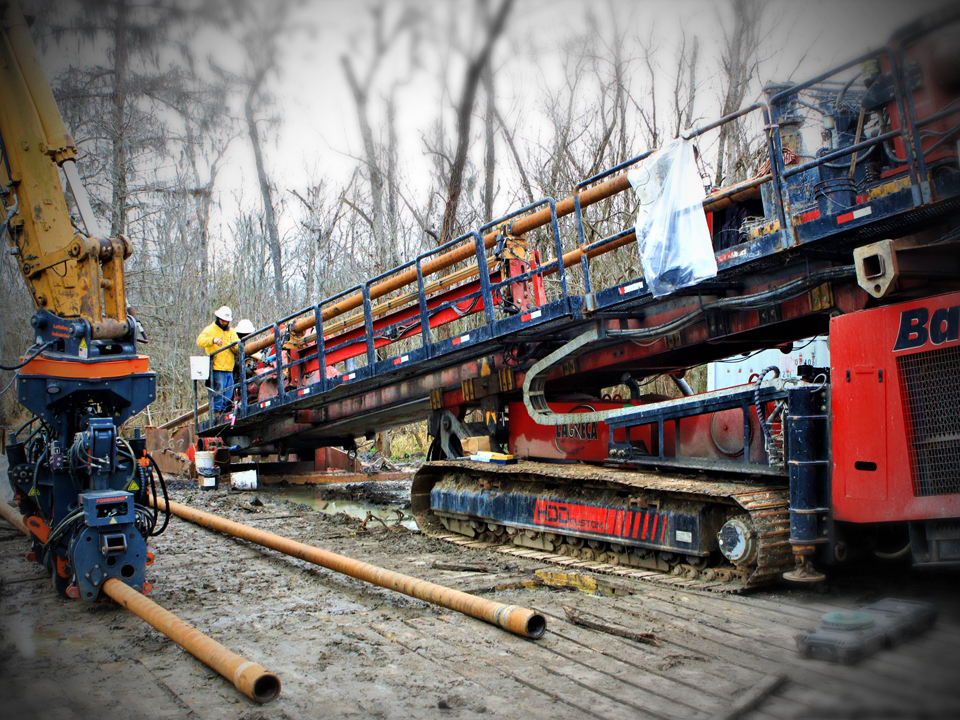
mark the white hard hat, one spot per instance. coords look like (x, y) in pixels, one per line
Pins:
(224, 313)
(244, 327)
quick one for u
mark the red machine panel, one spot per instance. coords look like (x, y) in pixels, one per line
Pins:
(937, 62)
(895, 411)
(718, 435)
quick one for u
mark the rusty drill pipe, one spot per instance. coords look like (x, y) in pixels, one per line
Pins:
(520, 226)
(12, 516)
(254, 681)
(518, 620)
(251, 679)
(181, 419)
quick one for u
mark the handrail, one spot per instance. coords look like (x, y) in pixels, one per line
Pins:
(473, 245)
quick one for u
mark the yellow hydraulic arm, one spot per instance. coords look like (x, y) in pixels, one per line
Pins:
(72, 274)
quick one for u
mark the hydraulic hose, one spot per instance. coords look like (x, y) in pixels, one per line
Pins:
(518, 620)
(32, 357)
(251, 679)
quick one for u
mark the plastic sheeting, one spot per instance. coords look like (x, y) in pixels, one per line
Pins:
(675, 246)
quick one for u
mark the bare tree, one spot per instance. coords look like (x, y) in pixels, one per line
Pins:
(262, 40)
(380, 164)
(490, 145)
(112, 106)
(692, 84)
(475, 68)
(739, 61)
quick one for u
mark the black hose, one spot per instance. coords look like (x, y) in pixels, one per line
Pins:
(61, 528)
(843, 92)
(152, 491)
(23, 427)
(743, 302)
(166, 499)
(29, 359)
(34, 493)
(764, 421)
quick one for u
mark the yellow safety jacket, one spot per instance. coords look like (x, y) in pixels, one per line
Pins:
(223, 361)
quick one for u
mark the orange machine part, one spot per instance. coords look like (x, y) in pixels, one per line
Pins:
(97, 370)
(38, 528)
(63, 567)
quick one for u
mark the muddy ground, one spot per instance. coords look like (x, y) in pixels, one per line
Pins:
(343, 648)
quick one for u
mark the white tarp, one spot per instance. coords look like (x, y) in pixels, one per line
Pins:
(675, 246)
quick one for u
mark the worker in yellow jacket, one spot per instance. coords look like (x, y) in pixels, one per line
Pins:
(213, 337)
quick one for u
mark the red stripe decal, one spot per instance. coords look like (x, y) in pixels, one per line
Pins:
(636, 524)
(663, 529)
(656, 519)
(646, 522)
(858, 213)
(573, 516)
(810, 215)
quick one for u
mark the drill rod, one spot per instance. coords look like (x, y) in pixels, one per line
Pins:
(518, 620)
(519, 226)
(251, 679)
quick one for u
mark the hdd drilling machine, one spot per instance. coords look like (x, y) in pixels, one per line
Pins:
(81, 486)
(506, 339)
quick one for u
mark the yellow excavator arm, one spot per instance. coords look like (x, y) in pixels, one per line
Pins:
(71, 274)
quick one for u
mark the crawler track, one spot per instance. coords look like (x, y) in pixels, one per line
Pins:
(497, 521)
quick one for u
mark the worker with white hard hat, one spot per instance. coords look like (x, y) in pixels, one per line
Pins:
(212, 338)
(244, 328)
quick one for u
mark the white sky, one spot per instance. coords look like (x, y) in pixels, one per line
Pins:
(317, 134)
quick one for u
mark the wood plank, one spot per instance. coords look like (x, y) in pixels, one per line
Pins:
(625, 698)
(757, 625)
(699, 636)
(478, 668)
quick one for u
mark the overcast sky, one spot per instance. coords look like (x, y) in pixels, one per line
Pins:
(317, 132)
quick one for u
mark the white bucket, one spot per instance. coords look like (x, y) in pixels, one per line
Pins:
(244, 479)
(204, 460)
(206, 471)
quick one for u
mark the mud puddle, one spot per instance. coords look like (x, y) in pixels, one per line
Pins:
(386, 502)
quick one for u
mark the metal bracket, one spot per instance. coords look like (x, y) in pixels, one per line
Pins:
(821, 297)
(769, 315)
(717, 325)
(450, 426)
(474, 389)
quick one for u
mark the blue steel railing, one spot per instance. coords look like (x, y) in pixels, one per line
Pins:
(909, 133)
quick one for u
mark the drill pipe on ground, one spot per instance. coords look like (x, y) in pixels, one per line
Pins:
(518, 620)
(519, 226)
(253, 680)
(13, 517)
